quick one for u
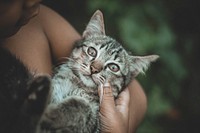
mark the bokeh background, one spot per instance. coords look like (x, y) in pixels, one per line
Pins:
(169, 28)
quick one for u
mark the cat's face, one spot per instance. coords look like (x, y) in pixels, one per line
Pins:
(100, 58)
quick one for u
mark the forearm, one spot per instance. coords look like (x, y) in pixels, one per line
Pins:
(60, 34)
(137, 105)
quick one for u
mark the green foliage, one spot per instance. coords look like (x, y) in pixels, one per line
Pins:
(143, 28)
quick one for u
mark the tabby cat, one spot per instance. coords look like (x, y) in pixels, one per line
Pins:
(23, 97)
(96, 59)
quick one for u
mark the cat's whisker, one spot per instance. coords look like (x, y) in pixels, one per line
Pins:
(102, 82)
(77, 60)
(97, 59)
(81, 69)
(67, 58)
(72, 66)
(85, 72)
(76, 69)
(84, 65)
(71, 59)
(102, 78)
(63, 60)
(79, 82)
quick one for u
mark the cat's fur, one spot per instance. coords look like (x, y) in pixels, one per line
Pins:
(97, 58)
(22, 96)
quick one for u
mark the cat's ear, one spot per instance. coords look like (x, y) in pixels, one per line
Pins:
(95, 25)
(141, 63)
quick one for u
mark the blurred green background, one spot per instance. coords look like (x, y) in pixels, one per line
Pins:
(169, 28)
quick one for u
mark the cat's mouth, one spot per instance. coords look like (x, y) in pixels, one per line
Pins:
(98, 79)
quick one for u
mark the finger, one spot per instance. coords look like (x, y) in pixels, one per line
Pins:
(107, 99)
(123, 97)
(107, 90)
(122, 102)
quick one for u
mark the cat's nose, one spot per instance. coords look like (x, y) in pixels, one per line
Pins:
(94, 70)
(96, 67)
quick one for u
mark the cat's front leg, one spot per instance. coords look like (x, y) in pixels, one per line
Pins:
(74, 115)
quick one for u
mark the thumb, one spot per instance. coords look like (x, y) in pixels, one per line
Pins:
(107, 102)
(107, 109)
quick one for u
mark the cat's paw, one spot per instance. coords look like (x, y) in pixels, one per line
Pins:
(38, 92)
(74, 115)
(51, 121)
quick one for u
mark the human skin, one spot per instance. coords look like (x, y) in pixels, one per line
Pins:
(48, 37)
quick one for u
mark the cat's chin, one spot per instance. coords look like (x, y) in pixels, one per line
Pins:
(88, 81)
(92, 78)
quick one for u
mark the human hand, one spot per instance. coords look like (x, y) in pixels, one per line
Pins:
(114, 114)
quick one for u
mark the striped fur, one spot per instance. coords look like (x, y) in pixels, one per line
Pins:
(96, 59)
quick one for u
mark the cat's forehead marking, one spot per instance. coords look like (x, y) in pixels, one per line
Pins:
(113, 51)
(107, 48)
(106, 44)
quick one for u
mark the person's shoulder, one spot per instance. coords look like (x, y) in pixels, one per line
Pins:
(50, 20)
(48, 15)
(44, 10)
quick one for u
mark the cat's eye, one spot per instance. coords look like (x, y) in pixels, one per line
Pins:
(92, 51)
(113, 67)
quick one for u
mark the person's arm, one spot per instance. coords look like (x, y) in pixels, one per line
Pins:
(47, 36)
(137, 105)
(60, 34)
(124, 114)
